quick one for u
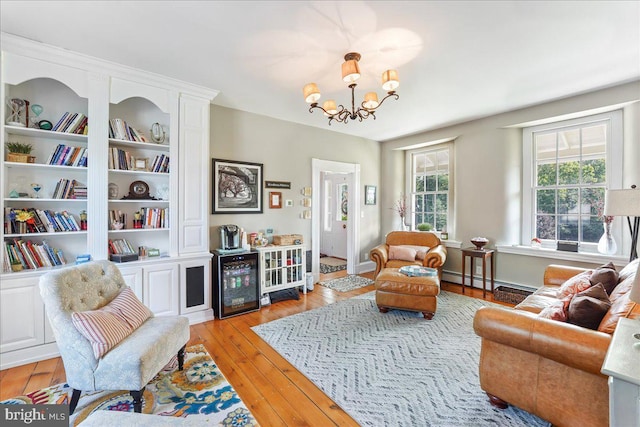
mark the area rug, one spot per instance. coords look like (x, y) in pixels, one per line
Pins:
(331, 264)
(347, 283)
(394, 369)
(199, 390)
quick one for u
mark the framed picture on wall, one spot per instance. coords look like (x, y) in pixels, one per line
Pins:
(369, 194)
(237, 187)
(275, 199)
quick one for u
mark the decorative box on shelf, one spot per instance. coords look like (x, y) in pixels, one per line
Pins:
(123, 257)
(287, 239)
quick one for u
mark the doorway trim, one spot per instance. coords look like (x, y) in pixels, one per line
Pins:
(353, 226)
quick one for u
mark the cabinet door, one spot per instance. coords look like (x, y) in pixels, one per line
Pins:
(133, 277)
(195, 285)
(161, 288)
(22, 314)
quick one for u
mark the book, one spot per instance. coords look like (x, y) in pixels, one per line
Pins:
(59, 123)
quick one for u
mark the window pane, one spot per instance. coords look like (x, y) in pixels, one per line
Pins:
(545, 146)
(568, 201)
(419, 184)
(428, 218)
(419, 165)
(431, 162)
(594, 140)
(429, 206)
(419, 203)
(594, 197)
(546, 174)
(431, 183)
(443, 182)
(418, 219)
(441, 222)
(443, 160)
(546, 227)
(594, 171)
(569, 143)
(568, 227)
(569, 172)
(441, 203)
(592, 229)
(546, 201)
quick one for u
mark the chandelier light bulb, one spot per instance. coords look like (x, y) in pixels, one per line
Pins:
(311, 93)
(370, 100)
(390, 80)
(329, 107)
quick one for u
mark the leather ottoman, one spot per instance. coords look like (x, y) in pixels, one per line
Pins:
(395, 290)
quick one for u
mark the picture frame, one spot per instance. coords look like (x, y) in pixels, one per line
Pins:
(288, 203)
(141, 164)
(275, 200)
(370, 194)
(236, 187)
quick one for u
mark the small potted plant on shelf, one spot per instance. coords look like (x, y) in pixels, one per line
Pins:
(19, 152)
(424, 227)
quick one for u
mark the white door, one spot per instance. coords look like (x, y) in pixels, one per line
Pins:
(335, 198)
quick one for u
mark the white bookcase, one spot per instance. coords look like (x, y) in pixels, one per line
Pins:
(62, 81)
(282, 267)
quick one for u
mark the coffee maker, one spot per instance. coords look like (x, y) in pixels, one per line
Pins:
(229, 236)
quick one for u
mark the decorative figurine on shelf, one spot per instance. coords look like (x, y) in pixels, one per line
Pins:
(16, 109)
(157, 133)
(137, 220)
(83, 220)
(36, 190)
(113, 191)
(36, 109)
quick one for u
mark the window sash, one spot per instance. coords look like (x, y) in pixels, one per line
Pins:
(530, 187)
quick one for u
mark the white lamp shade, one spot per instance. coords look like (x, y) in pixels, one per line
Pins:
(350, 71)
(329, 107)
(622, 202)
(634, 294)
(390, 80)
(311, 93)
(370, 100)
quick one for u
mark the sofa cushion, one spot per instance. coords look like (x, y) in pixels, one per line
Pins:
(607, 275)
(109, 325)
(576, 284)
(421, 251)
(403, 253)
(587, 308)
(558, 310)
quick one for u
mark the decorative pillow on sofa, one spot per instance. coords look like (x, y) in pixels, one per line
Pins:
(108, 325)
(575, 284)
(587, 308)
(557, 310)
(421, 251)
(607, 275)
(402, 253)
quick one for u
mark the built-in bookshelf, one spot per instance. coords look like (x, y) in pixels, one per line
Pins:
(157, 190)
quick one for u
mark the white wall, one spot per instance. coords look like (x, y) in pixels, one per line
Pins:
(488, 160)
(286, 150)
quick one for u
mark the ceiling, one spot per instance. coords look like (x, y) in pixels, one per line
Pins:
(457, 60)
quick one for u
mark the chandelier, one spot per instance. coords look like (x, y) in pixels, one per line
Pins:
(350, 74)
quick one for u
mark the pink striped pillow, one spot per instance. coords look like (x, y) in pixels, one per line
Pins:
(109, 325)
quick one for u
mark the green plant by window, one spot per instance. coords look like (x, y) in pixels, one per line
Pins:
(18, 147)
(424, 227)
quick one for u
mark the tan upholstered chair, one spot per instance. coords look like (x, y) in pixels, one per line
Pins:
(430, 252)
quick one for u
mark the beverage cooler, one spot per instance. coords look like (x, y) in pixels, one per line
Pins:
(236, 287)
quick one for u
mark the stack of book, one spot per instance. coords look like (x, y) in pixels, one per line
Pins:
(119, 129)
(120, 159)
(69, 189)
(66, 155)
(120, 246)
(160, 164)
(29, 255)
(41, 221)
(155, 217)
(72, 123)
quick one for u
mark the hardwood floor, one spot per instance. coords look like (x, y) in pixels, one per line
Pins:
(275, 392)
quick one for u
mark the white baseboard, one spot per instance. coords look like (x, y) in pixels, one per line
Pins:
(455, 277)
(199, 316)
(365, 267)
(11, 359)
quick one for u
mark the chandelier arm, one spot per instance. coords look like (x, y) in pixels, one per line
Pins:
(389, 95)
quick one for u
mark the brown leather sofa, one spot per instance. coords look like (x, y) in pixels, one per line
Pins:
(435, 253)
(546, 367)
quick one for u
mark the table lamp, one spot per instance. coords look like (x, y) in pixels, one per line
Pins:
(626, 203)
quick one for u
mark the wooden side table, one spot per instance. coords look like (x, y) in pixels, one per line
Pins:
(474, 253)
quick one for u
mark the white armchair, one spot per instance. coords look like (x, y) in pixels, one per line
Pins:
(131, 363)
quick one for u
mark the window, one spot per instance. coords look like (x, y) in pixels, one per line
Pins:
(430, 184)
(570, 165)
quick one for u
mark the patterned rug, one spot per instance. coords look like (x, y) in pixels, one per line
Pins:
(199, 390)
(394, 369)
(330, 265)
(347, 283)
